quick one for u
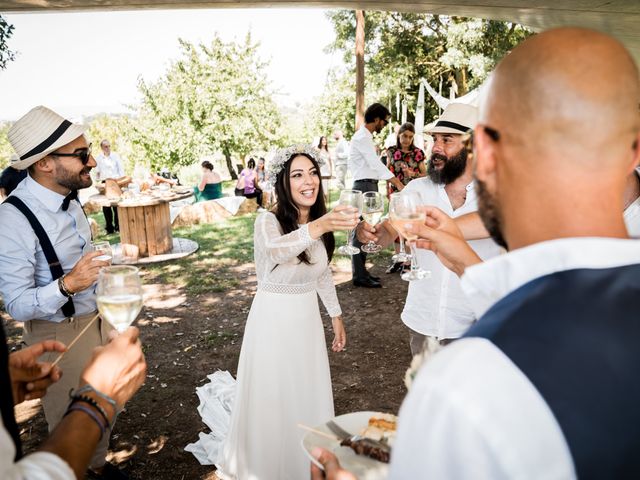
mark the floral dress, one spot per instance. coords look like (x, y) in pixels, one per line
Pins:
(397, 159)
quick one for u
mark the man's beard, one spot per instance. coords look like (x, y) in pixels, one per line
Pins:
(490, 213)
(72, 180)
(451, 170)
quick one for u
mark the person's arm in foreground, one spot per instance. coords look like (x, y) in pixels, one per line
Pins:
(117, 370)
(29, 377)
(441, 234)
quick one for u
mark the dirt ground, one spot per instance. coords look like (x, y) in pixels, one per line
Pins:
(187, 338)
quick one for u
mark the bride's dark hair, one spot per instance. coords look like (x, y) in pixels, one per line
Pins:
(286, 210)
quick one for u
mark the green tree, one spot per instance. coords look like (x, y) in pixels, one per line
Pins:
(6, 150)
(402, 48)
(116, 129)
(214, 98)
(6, 55)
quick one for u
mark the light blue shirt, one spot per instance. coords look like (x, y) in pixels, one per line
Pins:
(27, 287)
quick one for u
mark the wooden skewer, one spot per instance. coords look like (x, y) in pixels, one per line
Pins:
(318, 432)
(55, 362)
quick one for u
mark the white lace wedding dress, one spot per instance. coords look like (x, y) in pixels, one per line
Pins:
(283, 372)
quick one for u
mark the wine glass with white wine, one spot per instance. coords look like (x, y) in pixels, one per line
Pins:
(105, 249)
(119, 295)
(403, 210)
(350, 198)
(372, 210)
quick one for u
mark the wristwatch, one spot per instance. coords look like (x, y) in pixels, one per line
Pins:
(63, 288)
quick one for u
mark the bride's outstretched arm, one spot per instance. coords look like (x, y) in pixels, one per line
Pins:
(278, 247)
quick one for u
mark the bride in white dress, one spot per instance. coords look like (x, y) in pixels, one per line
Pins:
(283, 371)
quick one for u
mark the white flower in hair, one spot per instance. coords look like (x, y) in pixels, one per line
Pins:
(284, 154)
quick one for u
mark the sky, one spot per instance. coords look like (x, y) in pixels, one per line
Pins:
(80, 64)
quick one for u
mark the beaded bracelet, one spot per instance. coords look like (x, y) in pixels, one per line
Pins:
(86, 399)
(74, 407)
(88, 388)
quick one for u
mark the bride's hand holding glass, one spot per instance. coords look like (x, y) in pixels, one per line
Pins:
(342, 217)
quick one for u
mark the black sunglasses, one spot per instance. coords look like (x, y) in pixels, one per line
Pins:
(82, 153)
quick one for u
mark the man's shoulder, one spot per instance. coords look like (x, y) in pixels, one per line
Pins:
(421, 185)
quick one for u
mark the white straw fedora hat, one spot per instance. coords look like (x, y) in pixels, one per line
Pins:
(38, 133)
(456, 118)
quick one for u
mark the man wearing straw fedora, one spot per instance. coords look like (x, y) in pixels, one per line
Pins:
(436, 307)
(47, 268)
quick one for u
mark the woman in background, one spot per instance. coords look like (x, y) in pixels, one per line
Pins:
(210, 186)
(326, 170)
(247, 185)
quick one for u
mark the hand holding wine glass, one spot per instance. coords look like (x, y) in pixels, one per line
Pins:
(119, 295)
(404, 210)
(372, 210)
(350, 198)
(105, 249)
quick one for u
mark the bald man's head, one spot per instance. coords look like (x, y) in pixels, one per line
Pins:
(569, 88)
(558, 126)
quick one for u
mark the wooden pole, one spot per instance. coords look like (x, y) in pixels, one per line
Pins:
(359, 68)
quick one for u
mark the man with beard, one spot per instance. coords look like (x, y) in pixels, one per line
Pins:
(436, 307)
(47, 269)
(545, 385)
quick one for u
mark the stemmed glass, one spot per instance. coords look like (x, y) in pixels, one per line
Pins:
(403, 210)
(350, 198)
(372, 210)
(105, 249)
(119, 295)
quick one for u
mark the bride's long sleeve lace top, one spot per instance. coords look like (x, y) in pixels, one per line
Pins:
(280, 271)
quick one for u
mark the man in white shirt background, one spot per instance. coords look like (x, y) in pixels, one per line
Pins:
(109, 166)
(367, 170)
(545, 384)
(341, 154)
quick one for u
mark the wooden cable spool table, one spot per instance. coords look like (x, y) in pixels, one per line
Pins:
(145, 223)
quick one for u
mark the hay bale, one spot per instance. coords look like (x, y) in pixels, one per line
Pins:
(95, 228)
(210, 212)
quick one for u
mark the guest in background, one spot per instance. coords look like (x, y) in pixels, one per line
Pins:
(404, 159)
(326, 169)
(109, 167)
(263, 181)
(10, 178)
(341, 159)
(210, 186)
(247, 185)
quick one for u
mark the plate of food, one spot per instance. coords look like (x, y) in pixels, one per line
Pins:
(362, 441)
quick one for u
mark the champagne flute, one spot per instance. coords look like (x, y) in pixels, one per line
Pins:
(403, 210)
(105, 249)
(350, 198)
(372, 210)
(119, 295)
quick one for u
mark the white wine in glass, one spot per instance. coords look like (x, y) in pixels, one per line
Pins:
(119, 295)
(350, 198)
(372, 210)
(105, 249)
(403, 210)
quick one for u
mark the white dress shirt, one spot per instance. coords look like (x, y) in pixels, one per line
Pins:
(363, 161)
(471, 413)
(36, 466)
(342, 152)
(27, 287)
(436, 306)
(109, 167)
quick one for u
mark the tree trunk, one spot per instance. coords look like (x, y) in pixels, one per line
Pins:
(359, 68)
(232, 170)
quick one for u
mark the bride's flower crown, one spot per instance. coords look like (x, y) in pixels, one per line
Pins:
(284, 154)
